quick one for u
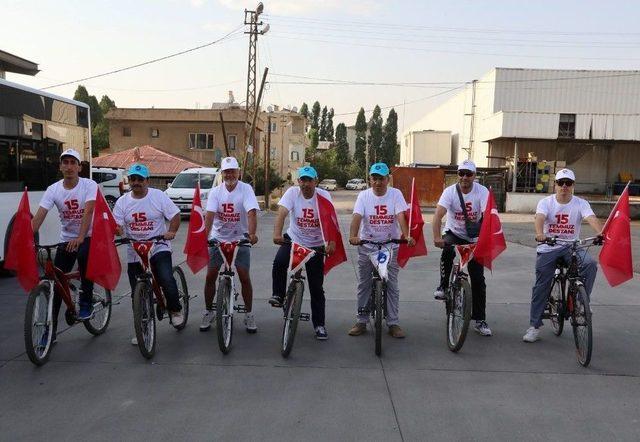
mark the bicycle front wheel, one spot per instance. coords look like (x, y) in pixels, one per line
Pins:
(101, 301)
(144, 319)
(224, 315)
(459, 314)
(183, 295)
(555, 305)
(581, 323)
(378, 308)
(37, 327)
(291, 317)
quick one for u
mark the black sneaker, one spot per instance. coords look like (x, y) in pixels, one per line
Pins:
(275, 301)
(439, 293)
(321, 333)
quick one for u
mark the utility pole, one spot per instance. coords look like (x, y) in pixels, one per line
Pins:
(267, 164)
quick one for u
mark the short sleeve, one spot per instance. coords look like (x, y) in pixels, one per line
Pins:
(399, 203)
(287, 200)
(585, 209)
(169, 209)
(359, 206)
(543, 207)
(250, 201)
(484, 196)
(212, 201)
(47, 199)
(445, 198)
(91, 189)
(118, 211)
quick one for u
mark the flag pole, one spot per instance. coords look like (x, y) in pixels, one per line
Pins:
(413, 186)
(613, 211)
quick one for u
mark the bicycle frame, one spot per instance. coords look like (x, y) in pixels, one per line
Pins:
(228, 263)
(464, 253)
(59, 279)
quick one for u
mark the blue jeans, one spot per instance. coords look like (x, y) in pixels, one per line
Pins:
(162, 269)
(545, 268)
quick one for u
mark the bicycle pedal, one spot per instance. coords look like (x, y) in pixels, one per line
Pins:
(363, 311)
(305, 316)
(240, 308)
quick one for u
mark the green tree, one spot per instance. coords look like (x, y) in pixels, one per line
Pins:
(329, 128)
(106, 104)
(315, 116)
(81, 94)
(322, 132)
(375, 135)
(100, 137)
(390, 148)
(313, 145)
(342, 146)
(304, 111)
(361, 140)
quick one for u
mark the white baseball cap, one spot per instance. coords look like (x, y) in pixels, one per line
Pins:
(229, 163)
(467, 165)
(565, 173)
(71, 153)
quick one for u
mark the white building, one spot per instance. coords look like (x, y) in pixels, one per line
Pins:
(426, 147)
(586, 120)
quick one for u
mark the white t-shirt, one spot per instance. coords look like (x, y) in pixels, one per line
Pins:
(145, 218)
(562, 220)
(475, 202)
(230, 222)
(304, 224)
(70, 204)
(379, 214)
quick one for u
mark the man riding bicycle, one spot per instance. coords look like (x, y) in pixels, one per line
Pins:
(231, 216)
(142, 214)
(559, 215)
(464, 204)
(378, 215)
(75, 198)
(304, 228)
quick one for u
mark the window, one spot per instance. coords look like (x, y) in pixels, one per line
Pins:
(200, 141)
(274, 153)
(231, 140)
(295, 156)
(274, 128)
(567, 126)
(155, 133)
(126, 131)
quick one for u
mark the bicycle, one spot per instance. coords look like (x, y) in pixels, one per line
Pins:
(38, 318)
(292, 304)
(148, 292)
(568, 298)
(458, 298)
(377, 304)
(226, 292)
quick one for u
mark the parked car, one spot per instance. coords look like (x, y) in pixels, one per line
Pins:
(328, 184)
(181, 189)
(356, 184)
(113, 182)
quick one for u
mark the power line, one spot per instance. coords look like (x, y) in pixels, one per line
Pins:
(155, 60)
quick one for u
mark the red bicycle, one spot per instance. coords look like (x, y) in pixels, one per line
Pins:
(38, 317)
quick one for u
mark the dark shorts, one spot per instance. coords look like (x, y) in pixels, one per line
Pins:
(243, 258)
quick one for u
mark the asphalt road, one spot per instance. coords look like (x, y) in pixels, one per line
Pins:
(496, 388)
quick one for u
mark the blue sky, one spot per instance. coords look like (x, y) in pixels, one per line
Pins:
(360, 40)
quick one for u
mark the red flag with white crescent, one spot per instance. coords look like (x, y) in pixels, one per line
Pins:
(416, 223)
(299, 256)
(196, 247)
(229, 250)
(465, 253)
(615, 257)
(330, 232)
(103, 266)
(21, 253)
(491, 242)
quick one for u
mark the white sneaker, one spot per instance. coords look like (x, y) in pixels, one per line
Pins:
(134, 341)
(439, 293)
(250, 323)
(532, 335)
(482, 328)
(176, 319)
(208, 318)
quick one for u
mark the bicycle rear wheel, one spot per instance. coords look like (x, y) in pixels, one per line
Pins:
(183, 295)
(459, 314)
(293, 305)
(378, 308)
(224, 315)
(37, 328)
(101, 301)
(555, 306)
(581, 323)
(144, 319)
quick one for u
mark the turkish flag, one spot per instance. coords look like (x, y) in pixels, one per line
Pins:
(299, 256)
(103, 266)
(491, 240)
(414, 218)
(330, 232)
(196, 246)
(21, 253)
(615, 256)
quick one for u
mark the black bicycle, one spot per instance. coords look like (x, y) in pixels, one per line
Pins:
(568, 298)
(458, 298)
(377, 304)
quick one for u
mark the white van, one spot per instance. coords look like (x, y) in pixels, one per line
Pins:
(181, 189)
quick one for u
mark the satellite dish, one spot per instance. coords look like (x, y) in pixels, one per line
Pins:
(294, 109)
(270, 108)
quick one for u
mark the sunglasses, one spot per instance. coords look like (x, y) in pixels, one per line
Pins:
(466, 173)
(136, 178)
(563, 183)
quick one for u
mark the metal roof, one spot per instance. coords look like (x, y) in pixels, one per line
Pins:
(159, 162)
(18, 65)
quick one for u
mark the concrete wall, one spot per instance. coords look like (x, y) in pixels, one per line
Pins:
(426, 147)
(523, 202)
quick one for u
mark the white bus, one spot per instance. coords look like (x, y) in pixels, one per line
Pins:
(35, 126)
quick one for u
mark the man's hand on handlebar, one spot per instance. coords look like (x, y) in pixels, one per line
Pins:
(411, 242)
(541, 238)
(439, 243)
(354, 241)
(279, 240)
(253, 238)
(169, 235)
(330, 248)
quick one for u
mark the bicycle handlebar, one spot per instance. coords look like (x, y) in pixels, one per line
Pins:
(552, 241)
(319, 252)
(241, 243)
(382, 243)
(155, 239)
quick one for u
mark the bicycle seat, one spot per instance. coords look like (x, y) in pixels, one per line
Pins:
(560, 263)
